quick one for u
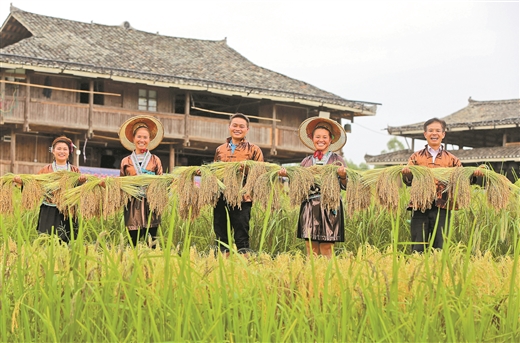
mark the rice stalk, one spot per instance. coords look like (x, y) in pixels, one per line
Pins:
(6, 194)
(233, 176)
(59, 183)
(387, 182)
(85, 199)
(266, 185)
(210, 188)
(301, 180)
(423, 190)
(330, 187)
(499, 189)
(188, 193)
(459, 187)
(358, 194)
(32, 191)
(159, 191)
(253, 171)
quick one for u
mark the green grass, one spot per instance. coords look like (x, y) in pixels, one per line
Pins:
(99, 289)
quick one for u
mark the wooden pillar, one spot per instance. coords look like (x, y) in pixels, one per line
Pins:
(2, 96)
(27, 103)
(504, 139)
(75, 158)
(172, 158)
(14, 166)
(273, 133)
(90, 107)
(173, 99)
(187, 118)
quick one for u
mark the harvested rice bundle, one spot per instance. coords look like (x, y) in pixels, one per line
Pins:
(233, 175)
(267, 189)
(159, 191)
(300, 182)
(210, 188)
(33, 191)
(387, 182)
(499, 190)
(423, 189)
(358, 194)
(459, 187)
(188, 193)
(59, 182)
(85, 199)
(6, 194)
(254, 170)
(514, 203)
(330, 187)
(115, 193)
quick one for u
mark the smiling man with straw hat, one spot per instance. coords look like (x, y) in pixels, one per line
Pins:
(140, 135)
(319, 227)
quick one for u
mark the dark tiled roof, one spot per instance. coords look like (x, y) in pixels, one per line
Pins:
(125, 52)
(478, 114)
(509, 153)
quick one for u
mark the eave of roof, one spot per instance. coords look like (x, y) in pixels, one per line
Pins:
(478, 115)
(495, 154)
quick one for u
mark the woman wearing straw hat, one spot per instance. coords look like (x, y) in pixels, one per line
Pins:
(319, 227)
(140, 135)
(50, 219)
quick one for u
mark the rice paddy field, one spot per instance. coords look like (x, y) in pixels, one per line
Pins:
(99, 289)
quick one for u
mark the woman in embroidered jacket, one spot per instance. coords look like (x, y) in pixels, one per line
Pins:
(50, 219)
(321, 228)
(140, 135)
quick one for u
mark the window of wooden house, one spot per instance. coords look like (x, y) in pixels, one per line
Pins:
(13, 75)
(147, 100)
(99, 99)
(180, 101)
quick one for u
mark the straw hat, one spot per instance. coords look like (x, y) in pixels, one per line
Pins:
(306, 129)
(127, 130)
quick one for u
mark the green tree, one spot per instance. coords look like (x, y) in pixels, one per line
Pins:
(394, 144)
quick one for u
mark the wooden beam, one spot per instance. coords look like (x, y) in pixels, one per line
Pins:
(58, 88)
(230, 114)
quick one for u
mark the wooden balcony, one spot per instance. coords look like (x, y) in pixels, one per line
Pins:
(278, 142)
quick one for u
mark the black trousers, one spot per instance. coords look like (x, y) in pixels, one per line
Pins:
(239, 219)
(429, 227)
(135, 235)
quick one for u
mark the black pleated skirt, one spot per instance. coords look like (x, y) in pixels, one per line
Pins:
(52, 221)
(320, 225)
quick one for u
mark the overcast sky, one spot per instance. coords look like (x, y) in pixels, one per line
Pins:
(419, 59)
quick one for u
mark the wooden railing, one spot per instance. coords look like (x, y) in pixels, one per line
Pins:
(21, 167)
(108, 119)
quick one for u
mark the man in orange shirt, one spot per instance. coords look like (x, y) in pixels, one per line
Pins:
(236, 149)
(423, 228)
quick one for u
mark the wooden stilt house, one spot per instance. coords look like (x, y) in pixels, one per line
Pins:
(84, 79)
